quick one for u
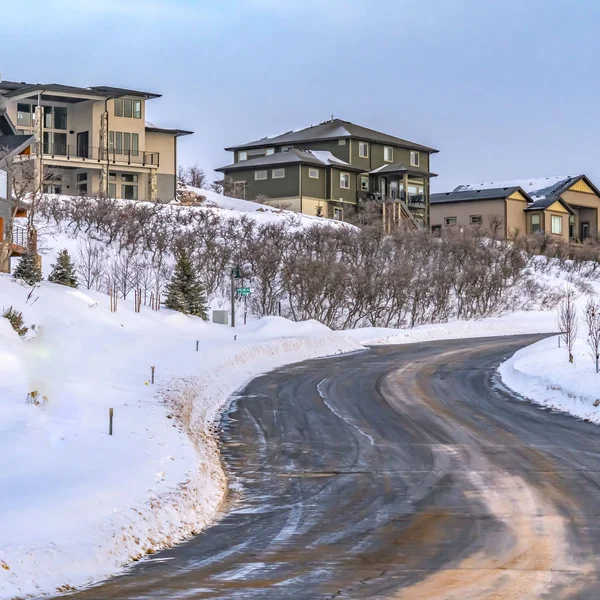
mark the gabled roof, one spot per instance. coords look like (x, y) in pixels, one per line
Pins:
(294, 156)
(332, 130)
(538, 189)
(400, 168)
(546, 203)
(466, 195)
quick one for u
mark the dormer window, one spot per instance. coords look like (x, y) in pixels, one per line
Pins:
(242, 155)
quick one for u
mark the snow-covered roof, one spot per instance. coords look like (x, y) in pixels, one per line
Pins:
(537, 188)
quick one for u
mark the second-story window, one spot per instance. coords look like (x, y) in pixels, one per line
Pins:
(414, 158)
(260, 175)
(345, 181)
(388, 154)
(127, 107)
(278, 173)
(363, 149)
(242, 155)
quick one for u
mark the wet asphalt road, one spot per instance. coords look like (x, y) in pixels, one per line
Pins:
(400, 472)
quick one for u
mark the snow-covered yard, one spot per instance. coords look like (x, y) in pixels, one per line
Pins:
(76, 503)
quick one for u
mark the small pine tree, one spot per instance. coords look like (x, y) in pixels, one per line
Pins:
(63, 271)
(28, 270)
(185, 293)
(15, 318)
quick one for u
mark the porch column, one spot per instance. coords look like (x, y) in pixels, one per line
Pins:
(152, 185)
(38, 134)
(103, 155)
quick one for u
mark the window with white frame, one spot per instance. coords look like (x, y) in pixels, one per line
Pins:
(278, 173)
(363, 149)
(414, 158)
(313, 173)
(388, 154)
(260, 175)
(270, 151)
(338, 214)
(557, 224)
(450, 221)
(341, 142)
(536, 223)
(242, 155)
(345, 181)
(364, 183)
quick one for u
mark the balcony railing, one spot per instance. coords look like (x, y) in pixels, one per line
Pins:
(94, 154)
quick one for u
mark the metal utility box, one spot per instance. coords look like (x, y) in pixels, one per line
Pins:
(221, 317)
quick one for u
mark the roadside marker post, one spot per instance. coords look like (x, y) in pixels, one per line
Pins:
(110, 421)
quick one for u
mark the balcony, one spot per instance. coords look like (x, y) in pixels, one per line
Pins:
(94, 154)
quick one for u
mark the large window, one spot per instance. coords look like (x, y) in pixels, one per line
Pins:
(137, 109)
(118, 107)
(388, 154)
(55, 117)
(25, 115)
(536, 223)
(129, 192)
(120, 142)
(363, 149)
(414, 158)
(128, 108)
(345, 181)
(129, 177)
(557, 224)
(55, 143)
(112, 190)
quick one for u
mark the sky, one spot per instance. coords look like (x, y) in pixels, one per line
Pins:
(504, 89)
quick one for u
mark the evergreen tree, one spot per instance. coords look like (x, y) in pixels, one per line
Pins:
(185, 293)
(28, 270)
(63, 271)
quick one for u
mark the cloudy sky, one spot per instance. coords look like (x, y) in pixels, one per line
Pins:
(503, 88)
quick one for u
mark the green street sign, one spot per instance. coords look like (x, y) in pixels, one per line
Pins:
(243, 291)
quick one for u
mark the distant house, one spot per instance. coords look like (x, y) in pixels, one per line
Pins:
(565, 207)
(94, 140)
(329, 168)
(11, 145)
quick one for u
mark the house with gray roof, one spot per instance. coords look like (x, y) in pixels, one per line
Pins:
(330, 168)
(94, 140)
(565, 207)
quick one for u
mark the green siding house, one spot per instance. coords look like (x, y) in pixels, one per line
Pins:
(330, 168)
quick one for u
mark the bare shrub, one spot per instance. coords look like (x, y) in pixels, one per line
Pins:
(592, 320)
(567, 321)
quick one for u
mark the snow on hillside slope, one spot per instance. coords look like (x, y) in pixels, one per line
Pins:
(76, 503)
(261, 212)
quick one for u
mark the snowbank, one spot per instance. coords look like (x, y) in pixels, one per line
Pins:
(78, 504)
(520, 322)
(542, 373)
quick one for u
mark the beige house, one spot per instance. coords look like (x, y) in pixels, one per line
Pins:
(566, 208)
(94, 140)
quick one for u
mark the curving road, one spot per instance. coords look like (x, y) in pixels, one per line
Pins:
(402, 472)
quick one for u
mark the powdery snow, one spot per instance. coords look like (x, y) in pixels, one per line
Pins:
(542, 373)
(263, 213)
(537, 188)
(78, 504)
